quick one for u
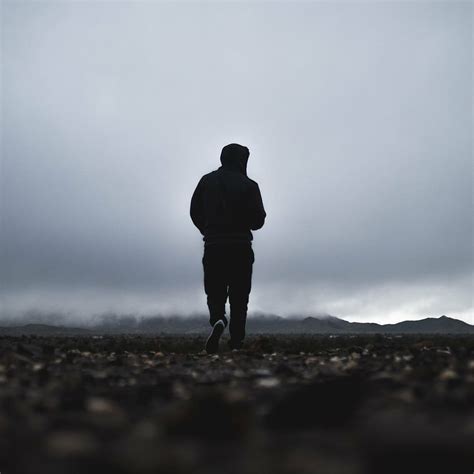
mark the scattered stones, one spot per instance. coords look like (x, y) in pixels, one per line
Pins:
(135, 404)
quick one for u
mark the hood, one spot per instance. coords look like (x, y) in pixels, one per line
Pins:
(234, 157)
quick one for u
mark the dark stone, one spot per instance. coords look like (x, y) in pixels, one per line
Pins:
(330, 402)
(209, 415)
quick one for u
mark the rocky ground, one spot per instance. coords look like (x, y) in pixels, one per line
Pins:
(285, 404)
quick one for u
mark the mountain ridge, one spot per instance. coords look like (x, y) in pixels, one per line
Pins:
(256, 324)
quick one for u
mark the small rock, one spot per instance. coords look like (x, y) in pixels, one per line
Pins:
(262, 372)
(268, 382)
(102, 406)
(448, 374)
(71, 443)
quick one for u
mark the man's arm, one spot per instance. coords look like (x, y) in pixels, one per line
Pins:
(197, 207)
(257, 211)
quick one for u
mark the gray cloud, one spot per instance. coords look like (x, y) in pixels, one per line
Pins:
(359, 121)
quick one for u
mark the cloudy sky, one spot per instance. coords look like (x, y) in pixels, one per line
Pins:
(358, 117)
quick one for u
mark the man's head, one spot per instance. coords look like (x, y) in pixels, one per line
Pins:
(235, 156)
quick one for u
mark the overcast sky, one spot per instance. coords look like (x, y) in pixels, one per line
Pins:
(358, 117)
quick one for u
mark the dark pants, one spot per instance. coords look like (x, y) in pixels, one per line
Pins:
(228, 272)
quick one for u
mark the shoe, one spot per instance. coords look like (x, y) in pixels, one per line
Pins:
(212, 343)
(235, 345)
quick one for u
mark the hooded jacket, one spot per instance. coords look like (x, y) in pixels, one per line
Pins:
(227, 205)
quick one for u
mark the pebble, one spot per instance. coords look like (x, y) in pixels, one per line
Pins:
(268, 382)
(71, 443)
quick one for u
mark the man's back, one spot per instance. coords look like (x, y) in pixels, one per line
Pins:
(226, 204)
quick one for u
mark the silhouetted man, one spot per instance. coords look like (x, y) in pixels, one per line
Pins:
(225, 207)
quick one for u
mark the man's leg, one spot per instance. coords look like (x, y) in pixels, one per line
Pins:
(215, 283)
(240, 283)
(215, 286)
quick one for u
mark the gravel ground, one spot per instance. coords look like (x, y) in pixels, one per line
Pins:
(284, 404)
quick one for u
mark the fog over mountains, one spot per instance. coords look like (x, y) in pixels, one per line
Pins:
(256, 324)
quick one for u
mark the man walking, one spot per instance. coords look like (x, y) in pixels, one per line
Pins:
(225, 207)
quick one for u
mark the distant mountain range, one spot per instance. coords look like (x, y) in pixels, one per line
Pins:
(256, 324)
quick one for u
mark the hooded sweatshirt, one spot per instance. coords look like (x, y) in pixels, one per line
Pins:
(227, 204)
